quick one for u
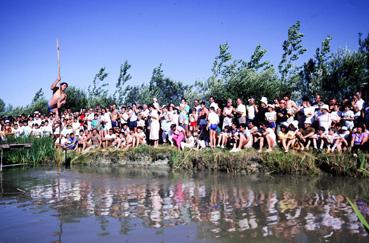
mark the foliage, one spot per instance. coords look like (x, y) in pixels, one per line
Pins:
(315, 70)
(163, 88)
(255, 61)
(39, 95)
(240, 79)
(2, 106)
(97, 92)
(292, 50)
(124, 77)
(77, 99)
(347, 74)
(42, 150)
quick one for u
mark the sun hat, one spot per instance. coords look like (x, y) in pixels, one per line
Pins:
(325, 107)
(264, 100)
(295, 123)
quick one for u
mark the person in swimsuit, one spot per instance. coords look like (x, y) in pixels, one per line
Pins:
(59, 97)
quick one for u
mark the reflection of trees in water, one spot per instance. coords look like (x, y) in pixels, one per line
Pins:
(252, 207)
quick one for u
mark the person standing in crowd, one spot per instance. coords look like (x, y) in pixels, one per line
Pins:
(241, 112)
(154, 125)
(213, 121)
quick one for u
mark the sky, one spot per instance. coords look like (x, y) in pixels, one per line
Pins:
(182, 35)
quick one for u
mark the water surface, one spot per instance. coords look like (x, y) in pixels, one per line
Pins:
(130, 205)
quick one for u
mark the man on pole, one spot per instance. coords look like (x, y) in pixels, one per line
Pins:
(59, 97)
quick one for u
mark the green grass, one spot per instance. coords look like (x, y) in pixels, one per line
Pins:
(246, 161)
(360, 216)
(42, 150)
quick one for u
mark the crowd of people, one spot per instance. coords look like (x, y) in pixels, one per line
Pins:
(328, 126)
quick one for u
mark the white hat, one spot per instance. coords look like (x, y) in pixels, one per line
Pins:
(344, 128)
(7, 121)
(264, 100)
(308, 121)
(325, 107)
(295, 123)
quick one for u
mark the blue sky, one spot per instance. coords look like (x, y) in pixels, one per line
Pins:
(183, 35)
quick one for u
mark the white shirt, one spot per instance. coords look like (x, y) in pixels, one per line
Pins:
(251, 112)
(213, 118)
(241, 108)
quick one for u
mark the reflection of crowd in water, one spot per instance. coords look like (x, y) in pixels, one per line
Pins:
(226, 208)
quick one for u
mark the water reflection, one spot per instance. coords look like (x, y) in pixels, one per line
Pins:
(221, 206)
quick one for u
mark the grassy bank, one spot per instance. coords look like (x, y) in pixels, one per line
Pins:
(246, 161)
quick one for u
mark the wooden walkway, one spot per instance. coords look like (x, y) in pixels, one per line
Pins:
(8, 146)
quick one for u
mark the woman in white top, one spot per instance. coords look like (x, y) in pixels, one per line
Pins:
(228, 114)
(154, 126)
(213, 121)
(348, 117)
(324, 118)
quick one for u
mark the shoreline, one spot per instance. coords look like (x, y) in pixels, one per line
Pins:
(245, 162)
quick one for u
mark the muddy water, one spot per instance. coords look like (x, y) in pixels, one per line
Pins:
(127, 205)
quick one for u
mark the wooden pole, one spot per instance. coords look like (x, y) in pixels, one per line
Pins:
(60, 117)
(58, 55)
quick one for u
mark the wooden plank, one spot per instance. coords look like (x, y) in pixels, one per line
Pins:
(15, 145)
(10, 165)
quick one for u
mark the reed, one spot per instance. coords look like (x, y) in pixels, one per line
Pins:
(42, 150)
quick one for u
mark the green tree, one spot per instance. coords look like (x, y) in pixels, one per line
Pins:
(2, 106)
(124, 77)
(39, 95)
(316, 70)
(77, 99)
(255, 60)
(97, 92)
(292, 50)
(220, 61)
(347, 74)
(249, 83)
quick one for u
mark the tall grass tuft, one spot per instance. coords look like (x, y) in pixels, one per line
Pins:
(42, 150)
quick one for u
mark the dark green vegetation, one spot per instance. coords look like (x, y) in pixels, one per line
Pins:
(330, 74)
(246, 161)
(42, 151)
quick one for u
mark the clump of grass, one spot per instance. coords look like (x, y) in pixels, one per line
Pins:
(290, 163)
(343, 164)
(42, 150)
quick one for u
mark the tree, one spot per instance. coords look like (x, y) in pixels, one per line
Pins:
(347, 74)
(255, 59)
(97, 91)
(220, 61)
(2, 106)
(292, 50)
(123, 78)
(39, 95)
(316, 70)
(77, 99)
